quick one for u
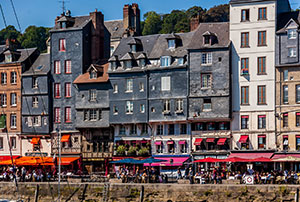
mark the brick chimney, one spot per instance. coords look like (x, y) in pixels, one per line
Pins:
(194, 22)
(126, 14)
(131, 18)
(97, 36)
(137, 18)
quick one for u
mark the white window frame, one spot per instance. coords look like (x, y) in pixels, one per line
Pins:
(142, 108)
(292, 51)
(68, 67)
(179, 105)
(141, 87)
(93, 94)
(13, 142)
(115, 110)
(167, 106)
(206, 58)
(13, 99)
(13, 78)
(129, 107)
(3, 78)
(206, 80)
(57, 69)
(292, 33)
(129, 85)
(35, 82)
(13, 120)
(35, 102)
(116, 89)
(165, 83)
(171, 43)
(165, 61)
(93, 115)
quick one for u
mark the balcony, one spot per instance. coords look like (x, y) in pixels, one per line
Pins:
(244, 72)
(132, 151)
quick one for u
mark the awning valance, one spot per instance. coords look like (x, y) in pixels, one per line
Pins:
(67, 160)
(158, 143)
(243, 138)
(198, 141)
(170, 161)
(182, 142)
(65, 138)
(210, 139)
(251, 155)
(35, 140)
(221, 141)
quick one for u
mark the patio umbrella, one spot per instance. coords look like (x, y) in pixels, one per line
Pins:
(208, 160)
(127, 161)
(152, 160)
(234, 159)
(287, 159)
(261, 159)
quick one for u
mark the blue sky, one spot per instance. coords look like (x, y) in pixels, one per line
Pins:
(43, 12)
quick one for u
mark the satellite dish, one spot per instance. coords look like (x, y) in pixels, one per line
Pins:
(68, 13)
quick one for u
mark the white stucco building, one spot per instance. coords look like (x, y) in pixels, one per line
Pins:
(252, 32)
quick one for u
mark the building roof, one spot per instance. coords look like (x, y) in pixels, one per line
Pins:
(246, 1)
(285, 18)
(40, 67)
(2, 48)
(115, 28)
(24, 54)
(79, 22)
(220, 30)
(85, 78)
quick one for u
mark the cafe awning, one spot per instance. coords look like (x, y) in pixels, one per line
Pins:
(182, 142)
(67, 160)
(210, 139)
(4, 158)
(30, 161)
(65, 138)
(169, 161)
(35, 140)
(221, 141)
(198, 141)
(243, 138)
(208, 160)
(170, 142)
(158, 143)
(251, 155)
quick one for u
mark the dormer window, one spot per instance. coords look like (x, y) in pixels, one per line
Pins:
(142, 62)
(292, 33)
(171, 43)
(93, 75)
(127, 64)
(180, 61)
(8, 58)
(133, 48)
(165, 61)
(63, 25)
(207, 39)
(113, 65)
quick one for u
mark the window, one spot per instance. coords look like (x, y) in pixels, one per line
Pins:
(68, 115)
(292, 33)
(3, 100)
(93, 95)
(115, 110)
(171, 147)
(292, 52)
(112, 49)
(179, 105)
(262, 38)
(159, 147)
(144, 128)
(165, 61)
(262, 13)
(206, 39)
(180, 61)
(68, 89)
(261, 142)
(166, 106)
(261, 121)
(115, 88)
(244, 122)
(159, 130)
(13, 142)
(13, 77)
(261, 95)
(62, 45)
(34, 82)
(245, 40)
(206, 58)
(183, 147)
(297, 119)
(206, 104)
(133, 48)
(129, 107)
(261, 67)
(57, 69)
(13, 121)
(297, 142)
(285, 120)
(285, 94)
(93, 75)
(141, 87)
(183, 129)
(285, 142)
(133, 129)
(122, 130)
(57, 90)
(244, 66)
(3, 78)
(142, 108)
(68, 67)
(13, 99)
(2, 121)
(113, 65)
(129, 85)
(298, 93)
(205, 80)
(245, 14)
(127, 64)
(35, 102)
(36, 121)
(171, 43)
(57, 116)
(245, 95)
(1, 142)
(171, 129)
(142, 62)
(285, 75)
(165, 83)
(93, 115)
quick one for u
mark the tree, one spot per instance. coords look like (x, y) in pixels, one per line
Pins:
(218, 13)
(152, 23)
(195, 11)
(35, 37)
(9, 32)
(176, 21)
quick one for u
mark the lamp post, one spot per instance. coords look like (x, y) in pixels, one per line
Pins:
(59, 162)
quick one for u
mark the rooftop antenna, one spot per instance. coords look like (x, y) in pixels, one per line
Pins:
(63, 2)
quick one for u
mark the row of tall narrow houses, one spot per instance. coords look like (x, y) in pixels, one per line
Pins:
(222, 89)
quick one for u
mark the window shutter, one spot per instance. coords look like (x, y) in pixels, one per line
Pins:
(39, 121)
(30, 121)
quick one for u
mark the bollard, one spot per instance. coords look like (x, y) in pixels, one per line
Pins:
(142, 194)
(297, 195)
(36, 195)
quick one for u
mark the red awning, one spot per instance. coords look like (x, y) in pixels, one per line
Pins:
(5, 158)
(251, 155)
(210, 139)
(198, 141)
(158, 143)
(176, 161)
(243, 138)
(182, 142)
(67, 160)
(170, 142)
(65, 138)
(221, 141)
(35, 140)
(278, 156)
(144, 141)
(208, 160)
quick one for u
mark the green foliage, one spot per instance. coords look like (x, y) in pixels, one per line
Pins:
(35, 37)
(143, 151)
(218, 13)
(9, 32)
(176, 21)
(152, 24)
(121, 150)
(132, 150)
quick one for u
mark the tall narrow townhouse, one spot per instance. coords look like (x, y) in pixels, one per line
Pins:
(13, 63)
(288, 87)
(128, 98)
(76, 42)
(168, 99)
(252, 32)
(210, 91)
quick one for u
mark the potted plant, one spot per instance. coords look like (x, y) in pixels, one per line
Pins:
(121, 150)
(132, 150)
(144, 151)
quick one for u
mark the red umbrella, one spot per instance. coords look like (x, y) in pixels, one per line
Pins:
(208, 160)
(260, 159)
(235, 159)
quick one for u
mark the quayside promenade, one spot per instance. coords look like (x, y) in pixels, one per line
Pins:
(119, 192)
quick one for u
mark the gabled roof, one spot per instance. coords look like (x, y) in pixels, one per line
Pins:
(79, 23)
(127, 56)
(220, 30)
(85, 78)
(285, 19)
(115, 28)
(96, 67)
(40, 67)
(24, 54)
(141, 56)
(2, 48)
(134, 41)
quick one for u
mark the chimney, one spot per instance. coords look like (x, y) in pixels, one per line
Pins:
(137, 19)
(131, 18)
(126, 16)
(97, 36)
(194, 22)
(56, 19)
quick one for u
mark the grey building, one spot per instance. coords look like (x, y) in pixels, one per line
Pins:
(210, 91)
(36, 105)
(76, 42)
(92, 118)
